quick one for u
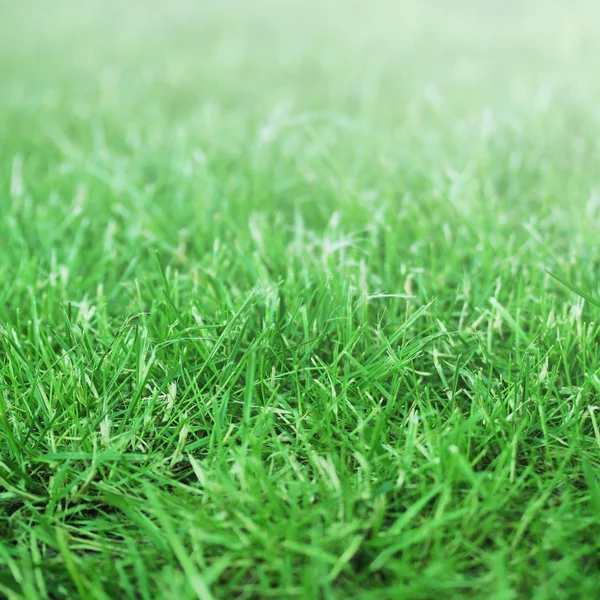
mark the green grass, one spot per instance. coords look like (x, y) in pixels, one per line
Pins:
(300, 300)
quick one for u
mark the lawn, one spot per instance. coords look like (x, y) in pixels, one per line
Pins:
(299, 300)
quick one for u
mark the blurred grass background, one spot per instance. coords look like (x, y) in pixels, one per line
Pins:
(308, 106)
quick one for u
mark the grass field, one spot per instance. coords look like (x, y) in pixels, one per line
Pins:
(277, 313)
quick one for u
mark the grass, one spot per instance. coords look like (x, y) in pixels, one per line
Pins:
(299, 300)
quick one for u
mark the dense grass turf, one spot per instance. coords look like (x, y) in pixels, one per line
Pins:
(275, 313)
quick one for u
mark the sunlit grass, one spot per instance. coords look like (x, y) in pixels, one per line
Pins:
(278, 315)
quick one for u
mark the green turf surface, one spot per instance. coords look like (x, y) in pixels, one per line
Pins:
(276, 311)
